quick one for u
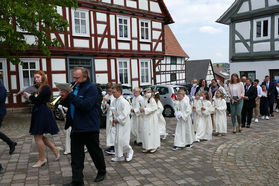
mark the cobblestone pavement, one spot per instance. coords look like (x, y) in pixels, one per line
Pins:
(247, 158)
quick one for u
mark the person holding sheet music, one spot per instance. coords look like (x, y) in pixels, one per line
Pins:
(43, 120)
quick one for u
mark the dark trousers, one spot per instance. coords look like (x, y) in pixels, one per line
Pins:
(264, 106)
(277, 103)
(246, 115)
(91, 141)
(271, 105)
(2, 135)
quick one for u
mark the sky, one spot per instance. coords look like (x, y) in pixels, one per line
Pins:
(196, 29)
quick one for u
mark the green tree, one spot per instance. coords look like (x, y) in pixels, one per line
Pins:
(37, 17)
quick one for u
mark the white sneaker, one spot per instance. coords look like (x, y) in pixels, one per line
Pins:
(65, 153)
(116, 159)
(253, 119)
(267, 118)
(262, 117)
(256, 120)
(277, 110)
(129, 156)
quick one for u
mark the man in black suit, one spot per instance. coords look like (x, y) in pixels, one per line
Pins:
(249, 103)
(270, 86)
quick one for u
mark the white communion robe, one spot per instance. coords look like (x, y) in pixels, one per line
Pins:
(136, 119)
(206, 121)
(123, 128)
(150, 126)
(161, 119)
(183, 131)
(197, 118)
(220, 117)
(110, 130)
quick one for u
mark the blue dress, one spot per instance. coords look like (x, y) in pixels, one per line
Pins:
(43, 120)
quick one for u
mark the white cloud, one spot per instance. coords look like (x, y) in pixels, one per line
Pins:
(197, 11)
(210, 30)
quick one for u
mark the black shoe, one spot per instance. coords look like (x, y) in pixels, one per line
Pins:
(248, 126)
(1, 169)
(12, 148)
(100, 177)
(139, 144)
(73, 184)
(272, 115)
(243, 126)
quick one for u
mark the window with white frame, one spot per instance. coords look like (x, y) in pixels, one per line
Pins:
(262, 28)
(27, 70)
(276, 26)
(3, 73)
(80, 23)
(123, 28)
(123, 71)
(144, 72)
(145, 32)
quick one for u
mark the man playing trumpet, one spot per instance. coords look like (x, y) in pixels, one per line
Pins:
(83, 117)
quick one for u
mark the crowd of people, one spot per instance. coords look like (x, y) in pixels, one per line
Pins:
(199, 114)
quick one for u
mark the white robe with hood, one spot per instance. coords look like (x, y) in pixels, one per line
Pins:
(206, 121)
(220, 117)
(136, 119)
(161, 119)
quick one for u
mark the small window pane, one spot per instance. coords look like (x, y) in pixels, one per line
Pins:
(82, 15)
(146, 24)
(259, 29)
(32, 65)
(125, 21)
(120, 31)
(120, 21)
(76, 14)
(126, 32)
(25, 66)
(265, 28)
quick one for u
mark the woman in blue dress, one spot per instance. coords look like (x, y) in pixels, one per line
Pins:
(42, 120)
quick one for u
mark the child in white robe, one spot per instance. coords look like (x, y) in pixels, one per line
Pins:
(121, 121)
(220, 114)
(151, 134)
(161, 119)
(183, 132)
(110, 130)
(207, 109)
(136, 119)
(197, 115)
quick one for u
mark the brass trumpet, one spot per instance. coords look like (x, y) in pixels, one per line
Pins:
(56, 101)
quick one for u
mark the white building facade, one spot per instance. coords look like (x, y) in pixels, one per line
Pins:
(254, 38)
(118, 41)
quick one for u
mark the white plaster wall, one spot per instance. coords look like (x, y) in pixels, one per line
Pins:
(145, 47)
(101, 28)
(143, 4)
(276, 45)
(244, 29)
(44, 66)
(135, 44)
(244, 7)
(135, 84)
(119, 2)
(261, 67)
(112, 66)
(59, 78)
(67, 17)
(102, 78)
(123, 46)
(272, 2)
(101, 16)
(81, 43)
(154, 7)
(62, 38)
(132, 4)
(30, 39)
(112, 25)
(236, 38)
(92, 22)
(59, 10)
(156, 34)
(156, 25)
(58, 64)
(134, 27)
(101, 65)
(159, 47)
(12, 67)
(113, 45)
(240, 48)
(256, 4)
(106, 1)
(262, 47)
(134, 68)
(13, 82)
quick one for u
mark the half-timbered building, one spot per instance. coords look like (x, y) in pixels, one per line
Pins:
(254, 38)
(171, 70)
(119, 41)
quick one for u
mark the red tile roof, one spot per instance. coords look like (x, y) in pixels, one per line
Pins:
(172, 46)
